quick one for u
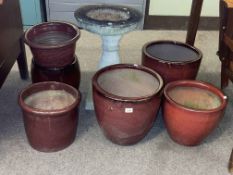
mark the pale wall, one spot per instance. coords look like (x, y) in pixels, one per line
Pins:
(182, 7)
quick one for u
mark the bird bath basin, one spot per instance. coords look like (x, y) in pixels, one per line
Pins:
(110, 22)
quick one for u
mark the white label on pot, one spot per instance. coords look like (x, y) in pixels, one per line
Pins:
(128, 110)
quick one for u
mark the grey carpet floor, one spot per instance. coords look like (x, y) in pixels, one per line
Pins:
(91, 153)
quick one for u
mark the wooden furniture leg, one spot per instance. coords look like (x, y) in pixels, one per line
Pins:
(194, 21)
(22, 62)
(11, 32)
(224, 76)
(225, 40)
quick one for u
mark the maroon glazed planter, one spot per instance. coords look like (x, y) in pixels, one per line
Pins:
(192, 110)
(50, 130)
(52, 43)
(173, 60)
(126, 110)
(69, 74)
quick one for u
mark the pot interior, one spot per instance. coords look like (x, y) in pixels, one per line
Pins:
(49, 97)
(194, 97)
(51, 34)
(126, 82)
(172, 51)
(50, 100)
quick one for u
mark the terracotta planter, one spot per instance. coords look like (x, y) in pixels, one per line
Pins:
(50, 113)
(69, 74)
(126, 101)
(192, 110)
(172, 60)
(52, 43)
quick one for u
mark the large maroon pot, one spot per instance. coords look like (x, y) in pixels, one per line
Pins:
(69, 74)
(126, 101)
(53, 43)
(173, 60)
(49, 129)
(191, 110)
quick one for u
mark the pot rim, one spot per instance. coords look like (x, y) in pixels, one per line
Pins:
(41, 46)
(122, 98)
(43, 112)
(199, 52)
(198, 84)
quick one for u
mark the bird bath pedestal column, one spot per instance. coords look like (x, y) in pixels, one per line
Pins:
(110, 22)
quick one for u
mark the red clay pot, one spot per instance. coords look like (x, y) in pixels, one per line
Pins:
(52, 43)
(50, 130)
(189, 123)
(172, 60)
(126, 119)
(69, 74)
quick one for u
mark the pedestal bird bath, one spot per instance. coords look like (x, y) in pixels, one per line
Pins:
(110, 22)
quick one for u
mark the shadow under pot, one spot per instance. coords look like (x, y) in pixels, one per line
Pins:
(172, 60)
(69, 74)
(126, 101)
(52, 43)
(192, 110)
(50, 113)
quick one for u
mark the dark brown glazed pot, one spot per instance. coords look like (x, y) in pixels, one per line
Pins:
(52, 43)
(50, 130)
(125, 120)
(173, 60)
(69, 74)
(187, 124)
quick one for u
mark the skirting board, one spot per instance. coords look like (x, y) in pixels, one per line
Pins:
(179, 23)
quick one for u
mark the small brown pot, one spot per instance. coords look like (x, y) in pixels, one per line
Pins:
(191, 110)
(69, 74)
(172, 60)
(125, 115)
(52, 43)
(50, 130)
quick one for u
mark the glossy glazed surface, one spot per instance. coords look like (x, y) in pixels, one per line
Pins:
(52, 43)
(50, 130)
(69, 74)
(172, 63)
(125, 120)
(188, 126)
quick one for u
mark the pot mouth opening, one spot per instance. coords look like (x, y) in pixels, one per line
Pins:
(51, 35)
(49, 98)
(172, 52)
(195, 96)
(126, 82)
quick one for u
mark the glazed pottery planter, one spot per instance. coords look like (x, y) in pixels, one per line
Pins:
(191, 110)
(69, 74)
(50, 113)
(126, 101)
(172, 60)
(52, 43)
